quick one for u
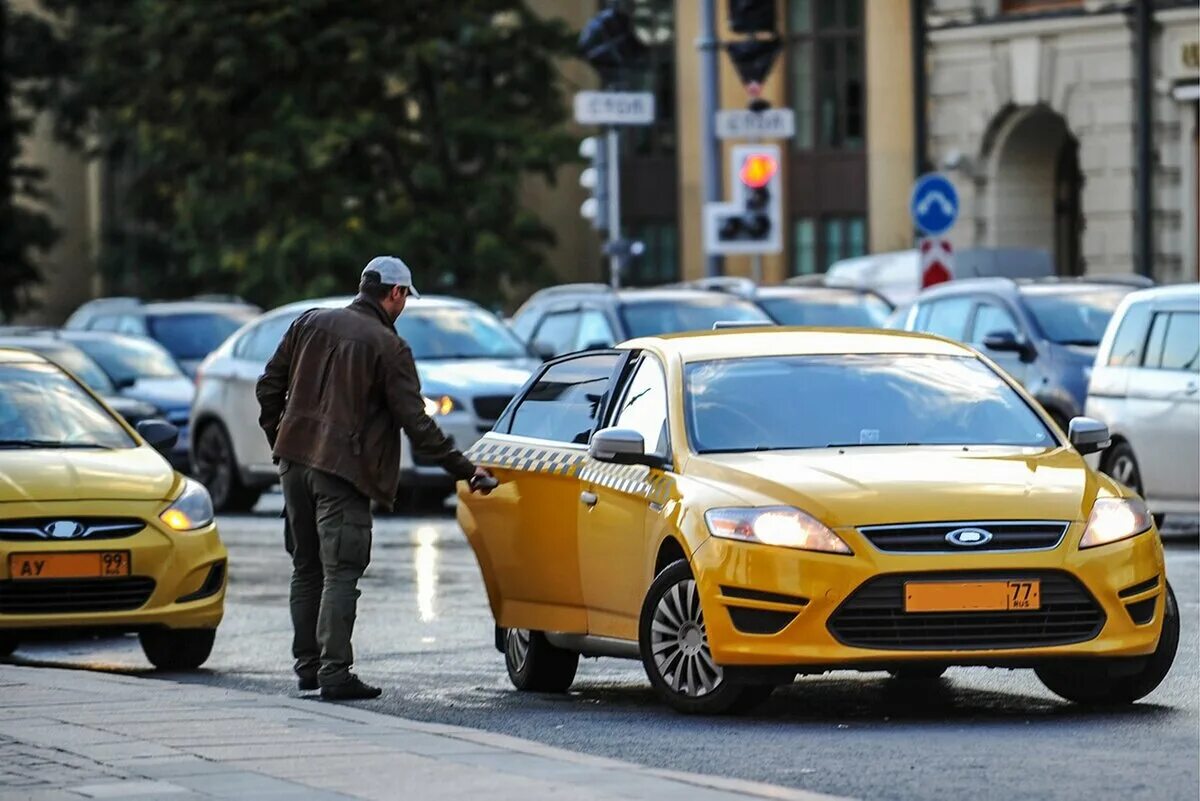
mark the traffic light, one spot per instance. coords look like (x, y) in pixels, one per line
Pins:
(595, 180)
(609, 42)
(752, 16)
(751, 223)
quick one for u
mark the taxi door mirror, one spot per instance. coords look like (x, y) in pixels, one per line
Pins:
(621, 446)
(1088, 435)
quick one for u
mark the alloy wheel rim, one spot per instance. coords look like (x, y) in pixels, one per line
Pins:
(679, 643)
(516, 648)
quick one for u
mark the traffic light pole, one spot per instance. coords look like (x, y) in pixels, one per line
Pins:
(709, 145)
(613, 144)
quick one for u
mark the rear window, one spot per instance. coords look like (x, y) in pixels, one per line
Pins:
(850, 311)
(1074, 318)
(195, 335)
(655, 317)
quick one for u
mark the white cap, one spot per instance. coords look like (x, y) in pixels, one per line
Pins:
(392, 271)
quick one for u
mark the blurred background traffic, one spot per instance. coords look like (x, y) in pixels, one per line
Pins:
(179, 179)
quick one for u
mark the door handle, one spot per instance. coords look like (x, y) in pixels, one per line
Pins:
(588, 498)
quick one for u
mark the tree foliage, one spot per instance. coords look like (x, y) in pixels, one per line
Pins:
(25, 228)
(271, 147)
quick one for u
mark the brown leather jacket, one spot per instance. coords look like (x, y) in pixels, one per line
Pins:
(336, 394)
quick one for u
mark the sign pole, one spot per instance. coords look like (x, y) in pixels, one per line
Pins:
(614, 205)
(709, 146)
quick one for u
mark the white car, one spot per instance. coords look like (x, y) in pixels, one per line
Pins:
(470, 366)
(1145, 387)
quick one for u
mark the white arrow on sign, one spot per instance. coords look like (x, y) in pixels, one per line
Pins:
(614, 108)
(774, 123)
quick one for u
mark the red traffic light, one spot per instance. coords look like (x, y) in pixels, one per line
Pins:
(758, 169)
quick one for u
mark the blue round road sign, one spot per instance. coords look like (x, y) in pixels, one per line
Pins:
(934, 204)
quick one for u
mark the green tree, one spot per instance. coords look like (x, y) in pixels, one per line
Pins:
(25, 228)
(270, 147)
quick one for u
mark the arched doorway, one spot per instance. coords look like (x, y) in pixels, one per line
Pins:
(1035, 184)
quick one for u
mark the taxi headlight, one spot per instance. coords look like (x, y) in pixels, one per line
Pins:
(1115, 519)
(442, 404)
(193, 508)
(775, 525)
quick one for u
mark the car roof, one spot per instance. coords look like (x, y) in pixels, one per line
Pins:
(814, 292)
(36, 344)
(603, 293)
(165, 307)
(339, 301)
(1012, 288)
(776, 341)
(1173, 292)
(16, 355)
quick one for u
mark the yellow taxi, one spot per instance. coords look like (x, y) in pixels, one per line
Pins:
(735, 508)
(97, 533)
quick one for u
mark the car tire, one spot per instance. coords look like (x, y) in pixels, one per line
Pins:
(1119, 463)
(673, 641)
(8, 644)
(216, 468)
(1097, 684)
(178, 649)
(918, 674)
(534, 665)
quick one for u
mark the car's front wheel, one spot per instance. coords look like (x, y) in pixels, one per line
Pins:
(178, 649)
(216, 468)
(1114, 682)
(675, 653)
(534, 665)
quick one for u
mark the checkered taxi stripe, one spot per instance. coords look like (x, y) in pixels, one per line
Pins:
(632, 479)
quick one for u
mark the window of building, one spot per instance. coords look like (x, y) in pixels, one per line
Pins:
(1031, 6)
(817, 244)
(804, 246)
(825, 73)
(659, 262)
(654, 21)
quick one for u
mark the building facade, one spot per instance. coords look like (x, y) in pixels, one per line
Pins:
(1033, 112)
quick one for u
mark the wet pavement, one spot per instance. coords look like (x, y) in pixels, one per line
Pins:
(425, 633)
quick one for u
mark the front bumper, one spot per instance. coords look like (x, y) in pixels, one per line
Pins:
(177, 580)
(808, 589)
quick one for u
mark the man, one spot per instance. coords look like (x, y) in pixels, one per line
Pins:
(334, 398)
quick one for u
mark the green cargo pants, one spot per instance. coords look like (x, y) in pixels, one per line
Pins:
(329, 538)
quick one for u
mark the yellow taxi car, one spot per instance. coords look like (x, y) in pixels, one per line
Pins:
(736, 508)
(97, 532)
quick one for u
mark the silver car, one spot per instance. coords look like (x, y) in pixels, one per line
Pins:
(470, 366)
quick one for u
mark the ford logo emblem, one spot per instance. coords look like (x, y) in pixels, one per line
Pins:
(63, 529)
(969, 537)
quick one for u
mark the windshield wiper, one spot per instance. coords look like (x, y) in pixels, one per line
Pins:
(46, 443)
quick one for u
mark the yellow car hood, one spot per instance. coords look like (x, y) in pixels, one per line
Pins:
(876, 485)
(133, 474)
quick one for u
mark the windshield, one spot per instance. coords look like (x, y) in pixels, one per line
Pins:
(854, 400)
(1074, 318)
(848, 311)
(196, 334)
(655, 317)
(127, 360)
(40, 407)
(457, 333)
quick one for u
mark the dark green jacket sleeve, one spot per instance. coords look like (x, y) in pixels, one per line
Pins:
(408, 406)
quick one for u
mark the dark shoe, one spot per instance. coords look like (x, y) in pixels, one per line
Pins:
(307, 682)
(351, 690)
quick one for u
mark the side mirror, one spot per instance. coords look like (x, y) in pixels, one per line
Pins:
(1008, 342)
(1088, 435)
(124, 382)
(159, 434)
(621, 446)
(543, 350)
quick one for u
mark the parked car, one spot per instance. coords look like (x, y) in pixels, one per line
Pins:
(575, 317)
(98, 532)
(897, 275)
(1146, 388)
(808, 303)
(470, 366)
(1044, 333)
(66, 355)
(189, 330)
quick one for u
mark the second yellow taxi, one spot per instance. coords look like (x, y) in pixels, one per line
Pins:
(738, 507)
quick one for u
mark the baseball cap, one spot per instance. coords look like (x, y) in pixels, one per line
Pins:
(392, 271)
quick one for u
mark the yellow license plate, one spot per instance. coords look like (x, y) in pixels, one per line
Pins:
(23, 566)
(972, 596)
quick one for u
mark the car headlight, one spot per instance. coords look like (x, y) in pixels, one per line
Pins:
(193, 508)
(443, 404)
(1115, 519)
(775, 525)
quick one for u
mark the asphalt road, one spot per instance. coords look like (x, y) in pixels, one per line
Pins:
(425, 633)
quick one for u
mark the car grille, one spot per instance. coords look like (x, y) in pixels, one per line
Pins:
(58, 529)
(490, 407)
(1007, 535)
(874, 617)
(63, 596)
